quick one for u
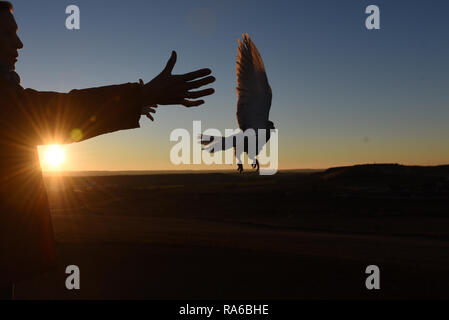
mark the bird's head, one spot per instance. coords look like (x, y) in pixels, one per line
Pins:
(270, 125)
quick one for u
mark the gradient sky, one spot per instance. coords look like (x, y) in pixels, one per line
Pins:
(341, 94)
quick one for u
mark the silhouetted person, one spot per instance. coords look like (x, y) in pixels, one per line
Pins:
(29, 118)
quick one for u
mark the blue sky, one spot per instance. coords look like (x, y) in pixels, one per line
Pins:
(341, 94)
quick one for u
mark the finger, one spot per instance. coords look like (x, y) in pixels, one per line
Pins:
(171, 63)
(199, 94)
(148, 109)
(195, 74)
(145, 110)
(200, 83)
(192, 103)
(149, 117)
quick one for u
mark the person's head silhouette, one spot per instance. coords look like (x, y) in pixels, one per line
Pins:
(9, 41)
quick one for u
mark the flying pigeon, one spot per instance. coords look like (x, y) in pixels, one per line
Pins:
(253, 106)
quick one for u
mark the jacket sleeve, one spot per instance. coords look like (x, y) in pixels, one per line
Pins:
(81, 114)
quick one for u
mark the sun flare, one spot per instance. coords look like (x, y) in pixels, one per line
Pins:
(54, 156)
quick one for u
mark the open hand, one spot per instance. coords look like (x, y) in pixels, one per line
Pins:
(167, 88)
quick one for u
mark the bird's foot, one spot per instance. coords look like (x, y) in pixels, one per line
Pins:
(240, 167)
(255, 165)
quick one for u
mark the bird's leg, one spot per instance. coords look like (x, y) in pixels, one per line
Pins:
(240, 167)
(256, 165)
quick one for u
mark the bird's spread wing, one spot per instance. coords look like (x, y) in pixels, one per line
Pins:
(254, 92)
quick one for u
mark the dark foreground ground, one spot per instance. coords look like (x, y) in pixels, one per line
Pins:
(228, 236)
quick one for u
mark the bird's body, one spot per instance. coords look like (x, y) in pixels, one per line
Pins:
(253, 106)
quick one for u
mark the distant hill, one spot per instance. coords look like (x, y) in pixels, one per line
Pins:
(386, 169)
(394, 176)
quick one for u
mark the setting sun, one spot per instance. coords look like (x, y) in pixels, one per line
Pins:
(54, 156)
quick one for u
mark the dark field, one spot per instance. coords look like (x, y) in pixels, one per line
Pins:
(228, 236)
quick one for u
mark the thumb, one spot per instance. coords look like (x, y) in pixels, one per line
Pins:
(171, 63)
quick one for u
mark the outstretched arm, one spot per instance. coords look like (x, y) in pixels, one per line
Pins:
(80, 114)
(83, 114)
